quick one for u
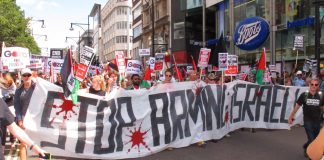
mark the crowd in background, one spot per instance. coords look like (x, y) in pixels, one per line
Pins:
(16, 88)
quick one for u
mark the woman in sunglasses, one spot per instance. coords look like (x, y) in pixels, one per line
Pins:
(167, 77)
(21, 101)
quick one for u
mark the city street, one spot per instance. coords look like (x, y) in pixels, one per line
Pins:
(263, 144)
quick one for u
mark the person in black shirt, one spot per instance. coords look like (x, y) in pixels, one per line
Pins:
(97, 86)
(8, 120)
(312, 103)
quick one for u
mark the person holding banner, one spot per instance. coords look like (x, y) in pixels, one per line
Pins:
(312, 102)
(138, 83)
(7, 120)
(98, 86)
(21, 102)
(168, 77)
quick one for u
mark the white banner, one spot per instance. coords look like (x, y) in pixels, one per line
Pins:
(15, 57)
(134, 67)
(130, 124)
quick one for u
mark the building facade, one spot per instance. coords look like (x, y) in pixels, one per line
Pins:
(117, 34)
(157, 22)
(137, 28)
(286, 18)
(97, 41)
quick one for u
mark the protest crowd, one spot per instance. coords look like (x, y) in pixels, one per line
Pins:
(17, 89)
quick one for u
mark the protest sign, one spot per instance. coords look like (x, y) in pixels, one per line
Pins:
(56, 53)
(203, 57)
(152, 63)
(86, 57)
(159, 59)
(120, 60)
(222, 61)
(57, 65)
(144, 52)
(232, 69)
(15, 57)
(134, 67)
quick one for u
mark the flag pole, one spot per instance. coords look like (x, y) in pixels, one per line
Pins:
(296, 60)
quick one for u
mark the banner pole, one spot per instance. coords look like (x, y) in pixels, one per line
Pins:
(200, 73)
(296, 60)
(222, 77)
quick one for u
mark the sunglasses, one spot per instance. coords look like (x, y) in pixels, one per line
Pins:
(314, 84)
(26, 75)
(168, 75)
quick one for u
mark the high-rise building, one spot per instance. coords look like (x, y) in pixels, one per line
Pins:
(117, 34)
(137, 27)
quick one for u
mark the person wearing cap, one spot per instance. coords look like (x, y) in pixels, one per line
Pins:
(212, 79)
(21, 101)
(298, 80)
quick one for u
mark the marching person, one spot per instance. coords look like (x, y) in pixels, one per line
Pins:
(7, 120)
(168, 77)
(98, 86)
(312, 103)
(138, 83)
(298, 80)
(21, 101)
(8, 89)
(59, 81)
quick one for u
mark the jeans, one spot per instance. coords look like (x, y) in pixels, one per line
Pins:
(312, 130)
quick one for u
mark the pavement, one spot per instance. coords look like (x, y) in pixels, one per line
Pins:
(241, 145)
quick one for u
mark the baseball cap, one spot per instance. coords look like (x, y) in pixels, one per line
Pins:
(299, 72)
(25, 71)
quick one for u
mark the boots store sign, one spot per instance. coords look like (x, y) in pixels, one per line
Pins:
(251, 33)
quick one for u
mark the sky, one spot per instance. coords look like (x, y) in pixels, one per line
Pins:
(57, 15)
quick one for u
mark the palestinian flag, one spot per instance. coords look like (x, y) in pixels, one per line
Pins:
(261, 68)
(69, 84)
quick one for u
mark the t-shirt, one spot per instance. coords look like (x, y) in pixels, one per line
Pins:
(6, 118)
(311, 106)
(97, 92)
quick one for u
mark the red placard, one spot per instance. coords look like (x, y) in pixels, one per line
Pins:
(204, 57)
(231, 71)
(81, 72)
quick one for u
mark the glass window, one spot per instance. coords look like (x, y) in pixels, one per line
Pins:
(137, 12)
(137, 31)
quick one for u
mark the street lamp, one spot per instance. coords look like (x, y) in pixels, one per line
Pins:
(66, 39)
(40, 20)
(80, 25)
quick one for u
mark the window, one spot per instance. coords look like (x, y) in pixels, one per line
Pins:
(137, 31)
(137, 12)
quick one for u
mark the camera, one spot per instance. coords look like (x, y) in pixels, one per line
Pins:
(47, 156)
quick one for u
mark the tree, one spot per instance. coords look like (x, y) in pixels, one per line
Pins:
(13, 27)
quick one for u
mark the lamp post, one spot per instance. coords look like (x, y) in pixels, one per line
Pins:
(39, 20)
(317, 4)
(80, 25)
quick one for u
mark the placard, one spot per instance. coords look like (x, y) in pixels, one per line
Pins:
(222, 61)
(204, 57)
